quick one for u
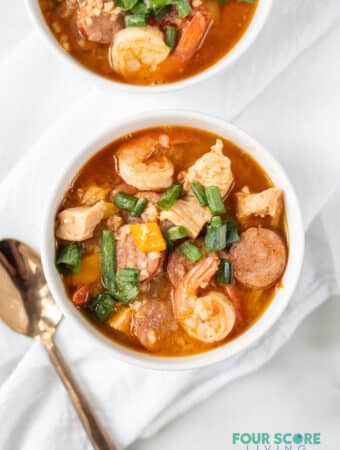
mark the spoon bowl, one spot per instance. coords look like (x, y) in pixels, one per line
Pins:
(27, 307)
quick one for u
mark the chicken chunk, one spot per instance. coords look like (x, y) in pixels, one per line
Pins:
(92, 194)
(260, 204)
(212, 169)
(78, 224)
(99, 20)
(188, 213)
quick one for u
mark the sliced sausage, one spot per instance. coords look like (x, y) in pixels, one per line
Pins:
(153, 323)
(259, 258)
(178, 266)
(97, 22)
(128, 256)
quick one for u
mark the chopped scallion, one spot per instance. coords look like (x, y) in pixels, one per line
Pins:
(103, 306)
(125, 201)
(190, 250)
(216, 236)
(183, 7)
(168, 198)
(126, 5)
(199, 191)
(68, 259)
(171, 34)
(175, 233)
(127, 277)
(214, 199)
(232, 232)
(139, 207)
(108, 259)
(135, 20)
(225, 273)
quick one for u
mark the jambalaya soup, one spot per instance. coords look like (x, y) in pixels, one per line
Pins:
(171, 241)
(148, 41)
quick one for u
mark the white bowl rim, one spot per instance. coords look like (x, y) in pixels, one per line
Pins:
(250, 35)
(263, 157)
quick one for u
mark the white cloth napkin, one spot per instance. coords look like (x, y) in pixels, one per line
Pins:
(284, 92)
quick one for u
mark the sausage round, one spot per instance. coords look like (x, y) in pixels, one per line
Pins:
(128, 256)
(178, 266)
(259, 258)
(153, 322)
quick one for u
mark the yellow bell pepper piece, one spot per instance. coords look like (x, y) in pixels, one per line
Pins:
(90, 270)
(109, 209)
(148, 237)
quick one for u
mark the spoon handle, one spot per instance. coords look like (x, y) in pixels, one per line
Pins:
(93, 428)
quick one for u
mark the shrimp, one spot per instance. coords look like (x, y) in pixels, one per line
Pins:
(191, 40)
(142, 163)
(137, 51)
(210, 317)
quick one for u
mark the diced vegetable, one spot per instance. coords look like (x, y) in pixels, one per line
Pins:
(127, 294)
(246, 1)
(232, 232)
(214, 199)
(148, 237)
(90, 271)
(216, 221)
(135, 20)
(108, 260)
(199, 192)
(121, 319)
(126, 4)
(190, 250)
(103, 306)
(168, 198)
(140, 8)
(160, 13)
(175, 233)
(183, 7)
(225, 273)
(127, 277)
(216, 236)
(69, 259)
(156, 4)
(125, 201)
(81, 296)
(139, 207)
(170, 245)
(127, 283)
(171, 35)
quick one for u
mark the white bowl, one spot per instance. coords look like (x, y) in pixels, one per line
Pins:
(242, 140)
(257, 23)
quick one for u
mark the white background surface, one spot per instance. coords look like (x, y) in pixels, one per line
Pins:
(298, 391)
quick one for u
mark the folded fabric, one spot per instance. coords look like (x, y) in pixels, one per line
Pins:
(295, 116)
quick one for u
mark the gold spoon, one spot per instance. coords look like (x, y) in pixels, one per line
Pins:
(27, 306)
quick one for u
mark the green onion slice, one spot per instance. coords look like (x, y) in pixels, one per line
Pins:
(159, 13)
(171, 35)
(214, 199)
(232, 232)
(175, 233)
(190, 250)
(126, 5)
(216, 237)
(199, 192)
(139, 207)
(127, 277)
(68, 259)
(125, 201)
(103, 306)
(108, 260)
(225, 274)
(168, 198)
(183, 7)
(135, 20)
